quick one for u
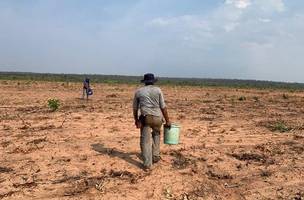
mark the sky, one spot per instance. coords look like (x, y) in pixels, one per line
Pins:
(239, 39)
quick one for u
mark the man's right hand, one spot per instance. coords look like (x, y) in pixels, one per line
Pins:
(168, 124)
(137, 123)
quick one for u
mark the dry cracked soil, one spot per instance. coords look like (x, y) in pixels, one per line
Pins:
(234, 144)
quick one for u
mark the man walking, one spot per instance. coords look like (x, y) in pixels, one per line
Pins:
(150, 101)
(86, 88)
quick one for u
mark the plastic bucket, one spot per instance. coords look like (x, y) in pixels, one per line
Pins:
(171, 135)
(90, 91)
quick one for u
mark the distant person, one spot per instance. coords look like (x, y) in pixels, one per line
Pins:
(150, 101)
(87, 91)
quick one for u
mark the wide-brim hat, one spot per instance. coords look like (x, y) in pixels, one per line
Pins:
(149, 78)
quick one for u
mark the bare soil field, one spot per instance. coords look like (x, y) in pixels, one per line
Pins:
(235, 144)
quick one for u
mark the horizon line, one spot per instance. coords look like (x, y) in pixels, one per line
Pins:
(166, 77)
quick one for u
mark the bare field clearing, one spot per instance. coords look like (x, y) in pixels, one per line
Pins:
(235, 144)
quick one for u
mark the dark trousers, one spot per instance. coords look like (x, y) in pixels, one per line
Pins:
(85, 93)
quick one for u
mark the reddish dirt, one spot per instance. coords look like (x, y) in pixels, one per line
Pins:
(231, 147)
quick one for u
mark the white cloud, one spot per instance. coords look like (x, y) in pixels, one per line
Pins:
(265, 5)
(256, 45)
(231, 26)
(250, 35)
(160, 21)
(271, 5)
(265, 20)
(190, 21)
(278, 5)
(241, 4)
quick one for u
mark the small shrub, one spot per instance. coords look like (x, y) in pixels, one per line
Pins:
(53, 104)
(280, 126)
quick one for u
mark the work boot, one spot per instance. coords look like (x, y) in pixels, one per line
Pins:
(147, 169)
(156, 159)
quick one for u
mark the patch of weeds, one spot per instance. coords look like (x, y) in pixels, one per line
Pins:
(53, 104)
(277, 125)
(280, 126)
